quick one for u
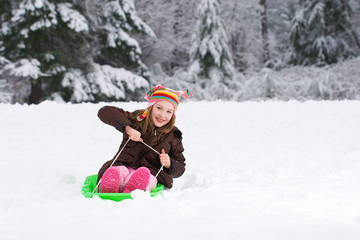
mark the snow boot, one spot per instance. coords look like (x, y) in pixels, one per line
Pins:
(113, 179)
(139, 179)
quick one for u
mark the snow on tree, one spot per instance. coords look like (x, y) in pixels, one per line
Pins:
(340, 16)
(105, 82)
(322, 33)
(181, 32)
(60, 38)
(113, 22)
(280, 15)
(173, 22)
(114, 50)
(210, 56)
(33, 33)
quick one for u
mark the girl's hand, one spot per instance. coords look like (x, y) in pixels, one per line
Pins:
(134, 135)
(165, 159)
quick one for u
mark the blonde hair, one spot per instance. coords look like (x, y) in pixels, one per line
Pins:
(147, 126)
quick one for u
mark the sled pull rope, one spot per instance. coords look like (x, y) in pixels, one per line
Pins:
(150, 147)
(159, 171)
(112, 162)
(157, 153)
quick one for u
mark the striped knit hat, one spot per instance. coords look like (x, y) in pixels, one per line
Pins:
(161, 93)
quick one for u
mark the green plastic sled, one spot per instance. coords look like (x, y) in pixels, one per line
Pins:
(90, 184)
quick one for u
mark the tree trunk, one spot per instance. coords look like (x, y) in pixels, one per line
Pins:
(179, 54)
(36, 93)
(264, 33)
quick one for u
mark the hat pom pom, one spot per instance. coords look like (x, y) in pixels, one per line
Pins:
(187, 94)
(142, 116)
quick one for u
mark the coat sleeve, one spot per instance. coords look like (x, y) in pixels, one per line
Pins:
(115, 117)
(177, 159)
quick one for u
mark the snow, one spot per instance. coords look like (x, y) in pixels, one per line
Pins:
(255, 170)
(73, 18)
(25, 68)
(35, 9)
(117, 35)
(107, 77)
(129, 8)
(77, 81)
(118, 25)
(108, 81)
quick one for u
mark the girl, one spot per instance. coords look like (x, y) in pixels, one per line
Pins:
(137, 165)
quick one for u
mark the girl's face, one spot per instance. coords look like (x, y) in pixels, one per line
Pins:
(162, 113)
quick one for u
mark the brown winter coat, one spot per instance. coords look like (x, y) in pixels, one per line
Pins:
(136, 154)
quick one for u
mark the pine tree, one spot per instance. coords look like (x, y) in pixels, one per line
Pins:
(173, 23)
(115, 54)
(339, 16)
(178, 51)
(210, 57)
(279, 23)
(233, 14)
(113, 22)
(321, 33)
(64, 48)
(32, 42)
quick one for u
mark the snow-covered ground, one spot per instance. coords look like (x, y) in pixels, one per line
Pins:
(255, 171)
